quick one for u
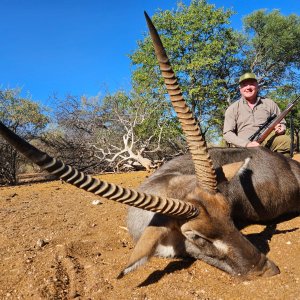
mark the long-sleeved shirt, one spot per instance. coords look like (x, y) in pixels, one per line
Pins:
(241, 121)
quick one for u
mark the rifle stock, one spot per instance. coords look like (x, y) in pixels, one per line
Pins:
(261, 137)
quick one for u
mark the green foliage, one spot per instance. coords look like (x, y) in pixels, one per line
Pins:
(20, 114)
(273, 50)
(24, 117)
(203, 51)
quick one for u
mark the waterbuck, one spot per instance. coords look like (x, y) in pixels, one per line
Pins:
(192, 206)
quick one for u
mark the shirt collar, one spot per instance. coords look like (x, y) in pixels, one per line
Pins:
(258, 101)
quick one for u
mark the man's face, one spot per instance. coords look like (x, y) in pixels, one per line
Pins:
(249, 89)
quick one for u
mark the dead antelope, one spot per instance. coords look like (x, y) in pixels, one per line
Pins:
(190, 206)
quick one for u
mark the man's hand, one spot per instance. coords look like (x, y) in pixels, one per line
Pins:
(279, 129)
(253, 144)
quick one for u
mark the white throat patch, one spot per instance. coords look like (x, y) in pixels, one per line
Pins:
(221, 246)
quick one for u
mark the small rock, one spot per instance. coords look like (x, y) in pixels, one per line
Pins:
(74, 294)
(96, 202)
(41, 243)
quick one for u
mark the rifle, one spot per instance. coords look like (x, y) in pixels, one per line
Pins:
(266, 128)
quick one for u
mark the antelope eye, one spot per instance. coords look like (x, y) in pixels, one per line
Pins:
(193, 236)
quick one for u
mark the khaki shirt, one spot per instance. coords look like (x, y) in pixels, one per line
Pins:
(241, 121)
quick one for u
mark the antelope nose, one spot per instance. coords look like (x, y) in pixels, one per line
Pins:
(270, 269)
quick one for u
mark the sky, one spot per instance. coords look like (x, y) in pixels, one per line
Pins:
(81, 47)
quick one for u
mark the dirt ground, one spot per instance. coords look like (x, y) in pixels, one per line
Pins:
(57, 244)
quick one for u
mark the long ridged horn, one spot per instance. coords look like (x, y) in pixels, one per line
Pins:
(203, 165)
(167, 206)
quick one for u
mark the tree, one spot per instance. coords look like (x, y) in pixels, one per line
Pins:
(24, 117)
(272, 47)
(77, 121)
(119, 132)
(203, 51)
(137, 131)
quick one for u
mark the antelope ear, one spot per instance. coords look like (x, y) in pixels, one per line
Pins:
(230, 170)
(145, 247)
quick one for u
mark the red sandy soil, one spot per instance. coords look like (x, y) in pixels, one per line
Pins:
(55, 244)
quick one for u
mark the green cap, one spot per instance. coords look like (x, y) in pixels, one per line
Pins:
(246, 76)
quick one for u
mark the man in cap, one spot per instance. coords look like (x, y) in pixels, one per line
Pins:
(245, 116)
